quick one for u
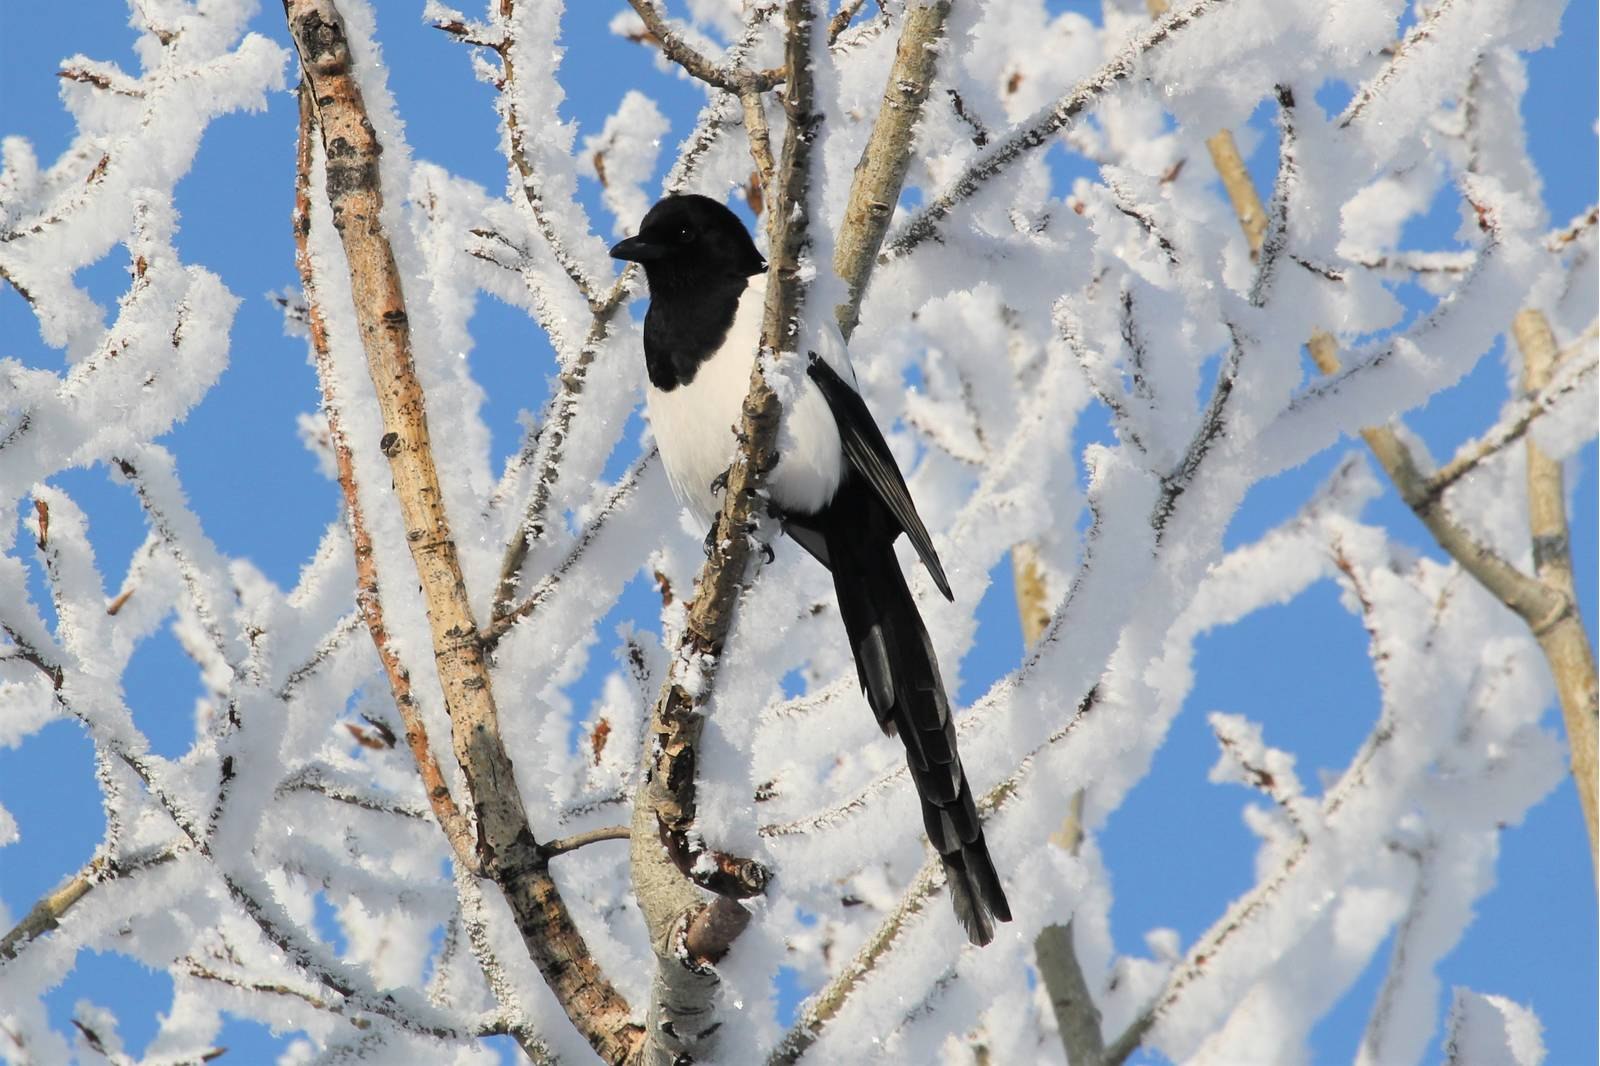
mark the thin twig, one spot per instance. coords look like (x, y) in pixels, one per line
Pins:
(1568, 378)
(563, 845)
(526, 177)
(46, 914)
(554, 430)
(1038, 130)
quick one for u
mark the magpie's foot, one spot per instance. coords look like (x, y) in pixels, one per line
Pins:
(767, 554)
(719, 484)
(711, 539)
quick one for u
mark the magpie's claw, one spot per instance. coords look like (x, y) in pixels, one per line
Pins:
(711, 539)
(719, 484)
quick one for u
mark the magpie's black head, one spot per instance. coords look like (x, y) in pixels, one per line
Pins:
(690, 241)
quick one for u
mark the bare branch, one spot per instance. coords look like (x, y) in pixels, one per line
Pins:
(842, 18)
(369, 597)
(563, 845)
(1564, 641)
(505, 844)
(875, 186)
(759, 136)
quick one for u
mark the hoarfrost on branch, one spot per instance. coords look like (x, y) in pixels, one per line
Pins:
(334, 761)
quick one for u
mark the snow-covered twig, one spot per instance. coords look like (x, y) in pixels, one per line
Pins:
(46, 914)
(1038, 130)
(1569, 376)
(550, 447)
(1416, 38)
(735, 78)
(617, 498)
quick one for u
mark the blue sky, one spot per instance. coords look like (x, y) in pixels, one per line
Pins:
(260, 496)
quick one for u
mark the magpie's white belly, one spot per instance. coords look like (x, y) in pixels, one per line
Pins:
(694, 424)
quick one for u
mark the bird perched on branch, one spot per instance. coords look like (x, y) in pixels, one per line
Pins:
(836, 487)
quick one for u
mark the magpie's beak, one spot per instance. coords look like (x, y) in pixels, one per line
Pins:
(638, 250)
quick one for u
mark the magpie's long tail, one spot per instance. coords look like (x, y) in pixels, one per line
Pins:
(898, 671)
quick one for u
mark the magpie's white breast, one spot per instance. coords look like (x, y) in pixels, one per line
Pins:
(694, 423)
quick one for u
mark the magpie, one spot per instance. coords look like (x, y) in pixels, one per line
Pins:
(835, 486)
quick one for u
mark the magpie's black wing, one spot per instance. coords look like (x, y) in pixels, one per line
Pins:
(868, 455)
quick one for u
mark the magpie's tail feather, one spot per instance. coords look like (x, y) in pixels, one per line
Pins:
(900, 676)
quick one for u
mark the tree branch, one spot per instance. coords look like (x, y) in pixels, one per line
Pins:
(1564, 641)
(1548, 603)
(615, 498)
(679, 1024)
(733, 79)
(369, 598)
(548, 453)
(505, 845)
(46, 914)
(1565, 379)
(563, 845)
(527, 178)
(1054, 949)
(879, 176)
(1055, 953)
(1231, 169)
(1037, 131)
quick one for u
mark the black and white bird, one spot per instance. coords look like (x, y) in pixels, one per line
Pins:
(836, 487)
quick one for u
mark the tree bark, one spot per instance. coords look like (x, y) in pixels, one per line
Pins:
(506, 850)
(1564, 640)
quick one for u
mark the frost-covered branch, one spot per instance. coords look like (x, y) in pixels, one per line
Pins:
(680, 1022)
(1568, 377)
(48, 912)
(300, 876)
(735, 79)
(550, 448)
(1038, 130)
(1548, 603)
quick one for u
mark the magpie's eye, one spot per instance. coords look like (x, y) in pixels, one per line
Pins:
(685, 235)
